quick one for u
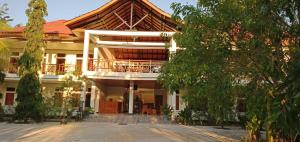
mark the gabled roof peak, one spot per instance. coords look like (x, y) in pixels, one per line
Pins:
(120, 12)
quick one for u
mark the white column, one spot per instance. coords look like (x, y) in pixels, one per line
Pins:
(172, 100)
(53, 58)
(83, 95)
(172, 103)
(173, 47)
(93, 95)
(96, 58)
(131, 91)
(172, 96)
(85, 52)
(98, 94)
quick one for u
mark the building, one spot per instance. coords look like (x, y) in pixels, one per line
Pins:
(119, 47)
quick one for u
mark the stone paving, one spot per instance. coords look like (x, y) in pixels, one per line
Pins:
(128, 119)
(117, 128)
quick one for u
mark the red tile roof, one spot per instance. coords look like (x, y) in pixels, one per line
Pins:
(54, 27)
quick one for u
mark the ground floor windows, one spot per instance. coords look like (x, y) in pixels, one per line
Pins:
(10, 96)
(58, 97)
(88, 97)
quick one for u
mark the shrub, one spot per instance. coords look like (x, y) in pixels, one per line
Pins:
(185, 116)
(29, 99)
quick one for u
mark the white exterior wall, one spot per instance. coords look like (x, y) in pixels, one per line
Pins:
(98, 93)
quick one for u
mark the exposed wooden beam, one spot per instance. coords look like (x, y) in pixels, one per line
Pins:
(118, 43)
(140, 21)
(103, 15)
(125, 22)
(130, 47)
(131, 14)
(119, 26)
(129, 33)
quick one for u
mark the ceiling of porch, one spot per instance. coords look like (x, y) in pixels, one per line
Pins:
(125, 83)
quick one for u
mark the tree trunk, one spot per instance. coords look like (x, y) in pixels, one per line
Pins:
(269, 134)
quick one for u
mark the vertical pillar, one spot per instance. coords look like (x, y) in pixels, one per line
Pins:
(172, 103)
(172, 100)
(131, 91)
(172, 96)
(93, 95)
(83, 95)
(173, 47)
(85, 52)
(98, 94)
(96, 59)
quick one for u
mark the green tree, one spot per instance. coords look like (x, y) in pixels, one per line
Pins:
(252, 44)
(69, 99)
(29, 99)
(203, 66)
(31, 60)
(268, 51)
(4, 51)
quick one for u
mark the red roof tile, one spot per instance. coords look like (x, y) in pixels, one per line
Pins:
(54, 27)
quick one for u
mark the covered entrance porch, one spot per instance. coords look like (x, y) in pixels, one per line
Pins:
(111, 96)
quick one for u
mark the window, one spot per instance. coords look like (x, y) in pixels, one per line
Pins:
(14, 62)
(44, 64)
(10, 96)
(75, 97)
(177, 102)
(177, 99)
(88, 98)
(78, 63)
(58, 97)
(60, 63)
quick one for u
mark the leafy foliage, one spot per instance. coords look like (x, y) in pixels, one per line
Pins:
(253, 127)
(251, 45)
(4, 51)
(29, 98)
(185, 116)
(3, 13)
(29, 88)
(31, 60)
(202, 68)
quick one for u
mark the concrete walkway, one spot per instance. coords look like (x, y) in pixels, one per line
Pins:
(111, 132)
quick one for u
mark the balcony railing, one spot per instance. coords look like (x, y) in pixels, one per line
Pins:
(138, 66)
(52, 69)
(13, 68)
(61, 69)
(141, 66)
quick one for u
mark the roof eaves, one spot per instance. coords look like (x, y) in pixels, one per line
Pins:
(70, 22)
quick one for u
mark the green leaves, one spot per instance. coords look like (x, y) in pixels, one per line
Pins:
(29, 98)
(29, 88)
(249, 45)
(34, 50)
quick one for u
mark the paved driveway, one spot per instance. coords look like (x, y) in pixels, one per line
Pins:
(109, 132)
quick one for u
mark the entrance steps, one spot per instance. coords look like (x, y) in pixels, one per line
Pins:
(124, 119)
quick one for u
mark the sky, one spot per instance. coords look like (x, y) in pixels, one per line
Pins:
(68, 9)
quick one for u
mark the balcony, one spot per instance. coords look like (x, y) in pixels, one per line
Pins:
(133, 66)
(61, 69)
(124, 69)
(111, 69)
(52, 69)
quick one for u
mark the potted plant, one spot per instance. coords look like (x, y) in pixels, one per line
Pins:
(166, 110)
